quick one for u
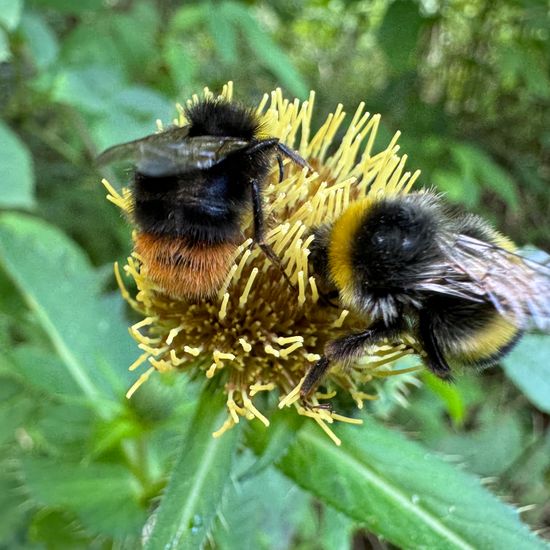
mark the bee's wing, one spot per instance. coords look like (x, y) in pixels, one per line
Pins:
(518, 287)
(130, 151)
(193, 153)
(173, 152)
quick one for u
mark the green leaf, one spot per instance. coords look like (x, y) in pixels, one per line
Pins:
(5, 50)
(15, 408)
(42, 370)
(105, 497)
(529, 368)
(188, 17)
(117, 112)
(129, 114)
(66, 440)
(284, 425)
(11, 303)
(265, 512)
(16, 171)
(427, 415)
(183, 67)
(143, 103)
(69, 6)
(458, 187)
(133, 51)
(524, 69)
(336, 530)
(62, 289)
(399, 490)
(535, 73)
(118, 124)
(477, 171)
(466, 163)
(398, 34)
(531, 474)
(492, 446)
(487, 172)
(40, 39)
(80, 50)
(57, 530)
(266, 50)
(12, 499)
(111, 433)
(10, 13)
(165, 410)
(449, 394)
(197, 481)
(222, 32)
(88, 89)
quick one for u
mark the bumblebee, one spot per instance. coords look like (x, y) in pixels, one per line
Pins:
(193, 189)
(412, 265)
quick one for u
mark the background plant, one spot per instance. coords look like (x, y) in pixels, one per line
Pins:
(468, 83)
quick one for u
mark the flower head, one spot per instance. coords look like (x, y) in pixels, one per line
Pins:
(258, 334)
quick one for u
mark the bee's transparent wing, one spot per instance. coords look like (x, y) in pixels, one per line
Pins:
(172, 152)
(130, 151)
(517, 286)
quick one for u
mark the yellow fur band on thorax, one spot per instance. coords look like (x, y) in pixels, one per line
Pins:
(341, 247)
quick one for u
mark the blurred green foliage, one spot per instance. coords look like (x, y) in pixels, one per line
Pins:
(468, 84)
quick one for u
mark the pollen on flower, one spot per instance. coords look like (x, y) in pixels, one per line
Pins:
(257, 334)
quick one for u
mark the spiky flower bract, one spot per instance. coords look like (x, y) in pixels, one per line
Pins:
(258, 334)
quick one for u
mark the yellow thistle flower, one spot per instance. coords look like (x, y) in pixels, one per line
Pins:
(258, 334)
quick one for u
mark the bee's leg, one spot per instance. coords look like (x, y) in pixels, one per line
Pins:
(293, 155)
(270, 143)
(284, 149)
(314, 377)
(346, 349)
(281, 168)
(435, 360)
(323, 407)
(259, 231)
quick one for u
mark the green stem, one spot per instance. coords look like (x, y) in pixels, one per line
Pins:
(200, 474)
(135, 456)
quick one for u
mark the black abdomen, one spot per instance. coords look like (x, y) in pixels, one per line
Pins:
(201, 206)
(471, 333)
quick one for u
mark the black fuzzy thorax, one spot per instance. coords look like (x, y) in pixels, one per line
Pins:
(222, 118)
(396, 245)
(207, 206)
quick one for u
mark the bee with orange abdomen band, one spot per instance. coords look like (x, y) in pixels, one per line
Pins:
(193, 189)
